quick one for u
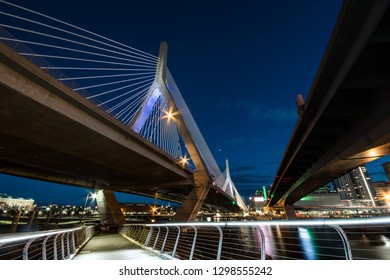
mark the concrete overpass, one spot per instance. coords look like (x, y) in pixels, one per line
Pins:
(49, 132)
(345, 121)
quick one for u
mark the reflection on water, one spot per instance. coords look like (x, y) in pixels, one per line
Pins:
(307, 244)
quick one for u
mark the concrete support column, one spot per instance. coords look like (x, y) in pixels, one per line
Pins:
(15, 221)
(109, 210)
(289, 212)
(31, 218)
(191, 205)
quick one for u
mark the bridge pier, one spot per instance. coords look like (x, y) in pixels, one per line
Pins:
(190, 207)
(109, 210)
(287, 211)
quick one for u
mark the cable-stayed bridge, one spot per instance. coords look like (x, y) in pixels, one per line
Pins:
(81, 109)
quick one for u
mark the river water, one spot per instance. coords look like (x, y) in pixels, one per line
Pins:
(287, 243)
(309, 243)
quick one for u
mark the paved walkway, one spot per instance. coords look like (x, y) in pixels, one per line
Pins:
(113, 246)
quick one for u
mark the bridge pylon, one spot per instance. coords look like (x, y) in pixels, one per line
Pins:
(202, 179)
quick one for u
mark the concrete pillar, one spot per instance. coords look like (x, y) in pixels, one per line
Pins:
(109, 210)
(33, 213)
(15, 221)
(190, 207)
(289, 211)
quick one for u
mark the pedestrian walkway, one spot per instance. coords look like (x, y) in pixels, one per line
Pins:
(113, 246)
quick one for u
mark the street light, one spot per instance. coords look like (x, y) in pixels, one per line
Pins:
(89, 195)
(184, 160)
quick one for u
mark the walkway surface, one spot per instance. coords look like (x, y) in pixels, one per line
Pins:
(113, 246)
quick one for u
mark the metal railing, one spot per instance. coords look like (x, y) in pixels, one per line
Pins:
(308, 240)
(45, 245)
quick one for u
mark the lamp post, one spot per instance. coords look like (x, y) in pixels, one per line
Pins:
(89, 195)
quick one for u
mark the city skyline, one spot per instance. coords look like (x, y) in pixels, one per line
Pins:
(260, 52)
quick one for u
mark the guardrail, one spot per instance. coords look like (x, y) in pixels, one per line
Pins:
(309, 240)
(45, 245)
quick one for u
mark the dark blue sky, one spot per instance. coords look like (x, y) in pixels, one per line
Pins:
(238, 64)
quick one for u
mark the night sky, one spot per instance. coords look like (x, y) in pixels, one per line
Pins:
(238, 65)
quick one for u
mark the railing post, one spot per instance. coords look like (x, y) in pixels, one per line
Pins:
(55, 253)
(165, 239)
(193, 243)
(67, 245)
(262, 237)
(344, 238)
(219, 253)
(62, 247)
(177, 242)
(149, 236)
(44, 255)
(25, 249)
(155, 241)
(73, 243)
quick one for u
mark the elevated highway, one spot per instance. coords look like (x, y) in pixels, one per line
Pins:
(344, 122)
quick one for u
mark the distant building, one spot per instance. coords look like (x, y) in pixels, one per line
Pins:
(9, 202)
(322, 197)
(146, 209)
(382, 190)
(356, 186)
(135, 208)
(259, 199)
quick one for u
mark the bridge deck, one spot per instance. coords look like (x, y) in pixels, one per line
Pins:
(113, 246)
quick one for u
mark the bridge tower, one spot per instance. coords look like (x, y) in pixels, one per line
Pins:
(202, 180)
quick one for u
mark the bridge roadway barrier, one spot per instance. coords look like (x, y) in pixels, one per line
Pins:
(45, 245)
(330, 239)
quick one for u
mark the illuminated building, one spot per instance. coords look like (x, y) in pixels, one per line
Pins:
(356, 186)
(9, 202)
(320, 198)
(259, 199)
(382, 190)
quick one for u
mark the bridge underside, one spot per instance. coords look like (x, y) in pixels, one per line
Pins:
(48, 132)
(43, 144)
(352, 92)
(70, 154)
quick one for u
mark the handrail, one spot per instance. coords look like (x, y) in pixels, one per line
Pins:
(44, 245)
(297, 239)
(344, 238)
(262, 250)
